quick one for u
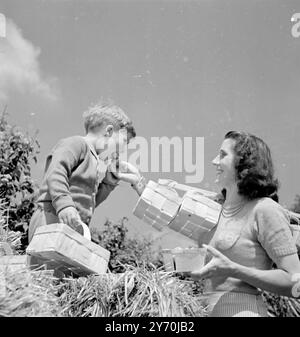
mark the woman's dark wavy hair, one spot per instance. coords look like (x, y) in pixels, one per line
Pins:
(254, 166)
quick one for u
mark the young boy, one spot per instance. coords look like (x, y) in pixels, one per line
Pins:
(81, 171)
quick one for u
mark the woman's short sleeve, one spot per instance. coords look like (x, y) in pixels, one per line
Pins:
(273, 232)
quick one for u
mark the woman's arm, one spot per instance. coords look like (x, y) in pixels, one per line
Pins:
(282, 281)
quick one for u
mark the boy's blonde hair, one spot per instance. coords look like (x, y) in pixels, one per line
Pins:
(103, 114)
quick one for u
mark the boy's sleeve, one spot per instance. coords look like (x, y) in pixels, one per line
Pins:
(63, 159)
(106, 186)
(273, 232)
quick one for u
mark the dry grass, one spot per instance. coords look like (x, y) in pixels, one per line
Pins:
(137, 292)
(28, 294)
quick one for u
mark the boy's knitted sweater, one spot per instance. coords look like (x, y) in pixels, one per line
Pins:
(74, 177)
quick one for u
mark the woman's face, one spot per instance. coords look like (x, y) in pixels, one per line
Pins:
(224, 163)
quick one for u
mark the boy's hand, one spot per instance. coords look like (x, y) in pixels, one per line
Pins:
(126, 172)
(70, 217)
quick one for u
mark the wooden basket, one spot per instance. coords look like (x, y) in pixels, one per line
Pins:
(62, 248)
(157, 205)
(183, 259)
(196, 216)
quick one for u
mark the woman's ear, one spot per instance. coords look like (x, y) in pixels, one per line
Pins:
(109, 130)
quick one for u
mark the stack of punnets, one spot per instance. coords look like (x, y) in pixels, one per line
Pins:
(197, 215)
(192, 214)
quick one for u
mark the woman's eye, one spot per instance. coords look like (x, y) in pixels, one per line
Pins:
(222, 154)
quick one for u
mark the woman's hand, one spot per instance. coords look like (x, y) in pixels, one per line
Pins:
(219, 265)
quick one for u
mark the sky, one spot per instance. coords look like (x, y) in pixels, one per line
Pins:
(177, 68)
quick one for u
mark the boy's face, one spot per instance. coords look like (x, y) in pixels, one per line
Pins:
(118, 142)
(114, 143)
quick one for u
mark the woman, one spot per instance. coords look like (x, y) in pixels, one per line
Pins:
(251, 235)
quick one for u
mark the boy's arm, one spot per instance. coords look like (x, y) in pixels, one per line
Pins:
(127, 173)
(63, 159)
(107, 185)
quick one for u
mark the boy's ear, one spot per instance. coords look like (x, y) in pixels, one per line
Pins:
(109, 130)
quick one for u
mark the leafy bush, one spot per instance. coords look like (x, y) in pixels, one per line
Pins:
(12, 240)
(136, 252)
(17, 189)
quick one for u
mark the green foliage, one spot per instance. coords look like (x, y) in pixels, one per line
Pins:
(17, 189)
(8, 237)
(136, 252)
(112, 237)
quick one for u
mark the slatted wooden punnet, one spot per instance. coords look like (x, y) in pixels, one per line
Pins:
(157, 205)
(196, 216)
(62, 248)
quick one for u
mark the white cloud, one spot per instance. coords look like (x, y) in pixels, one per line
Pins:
(19, 66)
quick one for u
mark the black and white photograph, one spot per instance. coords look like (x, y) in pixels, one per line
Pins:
(149, 161)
